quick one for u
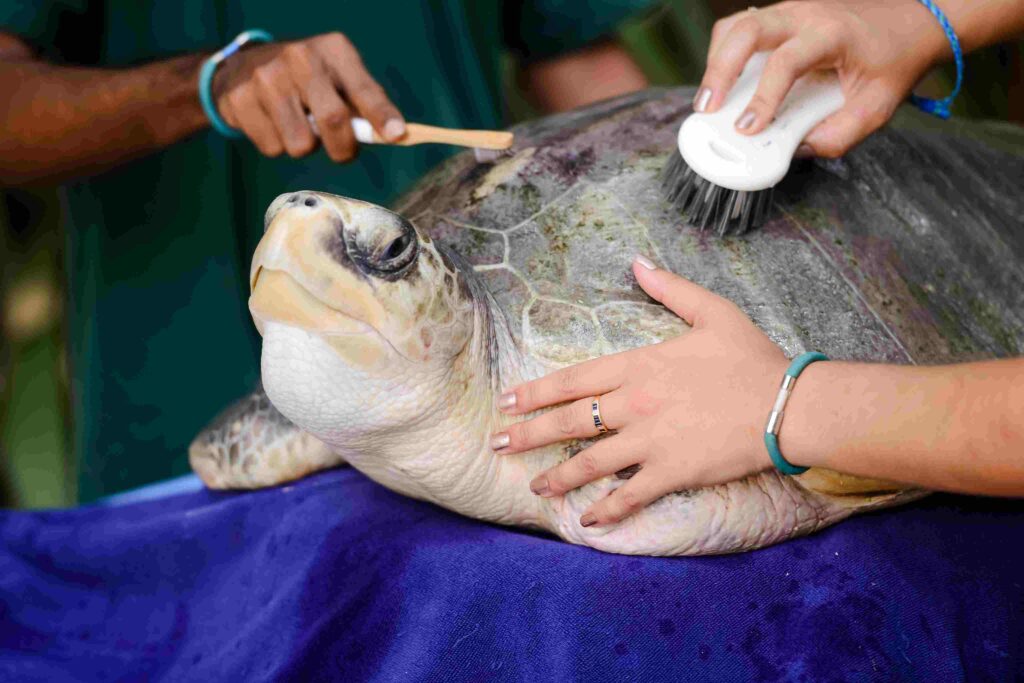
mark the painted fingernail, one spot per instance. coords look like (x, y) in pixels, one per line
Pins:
(747, 120)
(507, 401)
(394, 129)
(645, 262)
(499, 441)
(804, 151)
(588, 519)
(700, 102)
(540, 486)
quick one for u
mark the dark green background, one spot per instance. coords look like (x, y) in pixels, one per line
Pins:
(669, 43)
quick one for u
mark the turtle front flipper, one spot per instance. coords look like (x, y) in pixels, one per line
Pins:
(251, 445)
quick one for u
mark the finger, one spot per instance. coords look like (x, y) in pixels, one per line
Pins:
(603, 459)
(245, 112)
(334, 121)
(281, 100)
(804, 151)
(361, 89)
(636, 494)
(573, 421)
(590, 378)
(720, 30)
(786, 64)
(691, 302)
(864, 113)
(332, 116)
(754, 32)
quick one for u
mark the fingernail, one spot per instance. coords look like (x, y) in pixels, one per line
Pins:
(394, 129)
(747, 120)
(645, 262)
(540, 486)
(507, 401)
(499, 441)
(803, 151)
(588, 519)
(700, 102)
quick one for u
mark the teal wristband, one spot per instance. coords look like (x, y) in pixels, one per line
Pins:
(210, 67)
(771, 431)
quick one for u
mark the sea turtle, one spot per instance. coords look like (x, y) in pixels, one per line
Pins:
(388, 335)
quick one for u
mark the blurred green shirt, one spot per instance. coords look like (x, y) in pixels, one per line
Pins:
(158, 249)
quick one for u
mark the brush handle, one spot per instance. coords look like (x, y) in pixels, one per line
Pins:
(418, 133)
(711, 145)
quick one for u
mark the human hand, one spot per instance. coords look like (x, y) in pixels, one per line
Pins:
(879, 49)
(266, 90)
(690, 411)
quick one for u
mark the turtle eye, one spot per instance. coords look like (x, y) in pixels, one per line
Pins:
(397, 247)
(389, 257)
(383, 248)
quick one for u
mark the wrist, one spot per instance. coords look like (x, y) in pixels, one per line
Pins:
(207, 72)
(179, 94)
(805, 435)
(931, 46)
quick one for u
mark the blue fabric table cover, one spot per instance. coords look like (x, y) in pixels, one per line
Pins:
(335, 578)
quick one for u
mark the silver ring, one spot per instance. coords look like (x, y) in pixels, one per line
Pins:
(595, 411)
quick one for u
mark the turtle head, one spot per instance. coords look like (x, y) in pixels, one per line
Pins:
(358, 272)
(363, 317)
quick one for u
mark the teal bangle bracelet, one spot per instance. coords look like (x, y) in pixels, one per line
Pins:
(210, 67)
(771, 431)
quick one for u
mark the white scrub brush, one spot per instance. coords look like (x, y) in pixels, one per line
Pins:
(722, 178)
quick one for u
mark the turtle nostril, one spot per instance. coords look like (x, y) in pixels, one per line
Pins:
(310, 201)
(291, 200)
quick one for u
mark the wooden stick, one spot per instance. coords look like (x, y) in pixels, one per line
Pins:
(417, 133)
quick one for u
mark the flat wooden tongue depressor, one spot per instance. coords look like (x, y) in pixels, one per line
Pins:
(487, 145)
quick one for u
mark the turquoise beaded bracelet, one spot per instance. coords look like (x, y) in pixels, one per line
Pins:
(771, 431)
(210, 67)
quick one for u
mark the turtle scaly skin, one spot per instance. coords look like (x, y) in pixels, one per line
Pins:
(389, 338)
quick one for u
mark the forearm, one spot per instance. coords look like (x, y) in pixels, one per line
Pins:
(977, 23)
(595, 73)
(983, 22)
(61, 122)
(956, 428)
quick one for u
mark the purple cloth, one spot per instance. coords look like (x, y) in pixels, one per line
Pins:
(336, 578)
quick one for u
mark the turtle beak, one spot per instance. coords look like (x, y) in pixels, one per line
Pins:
(294, 282)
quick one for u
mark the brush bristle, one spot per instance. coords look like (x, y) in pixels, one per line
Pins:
(705, 204)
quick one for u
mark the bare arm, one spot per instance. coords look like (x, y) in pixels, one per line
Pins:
(955, 428)
(60, 122)
(594, 73)
(983, 22)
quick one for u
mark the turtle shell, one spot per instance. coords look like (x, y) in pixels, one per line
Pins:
(908, 250)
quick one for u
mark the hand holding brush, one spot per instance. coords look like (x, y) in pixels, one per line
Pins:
(810, 78)
(878, 49)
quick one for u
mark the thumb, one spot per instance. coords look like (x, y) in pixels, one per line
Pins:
(691, 302)
(862, 115)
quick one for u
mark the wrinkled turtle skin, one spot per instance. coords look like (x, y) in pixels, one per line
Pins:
(387, 336)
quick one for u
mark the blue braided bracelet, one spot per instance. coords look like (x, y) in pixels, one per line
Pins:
(940, 108)
(771, 431)
(206, 78)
